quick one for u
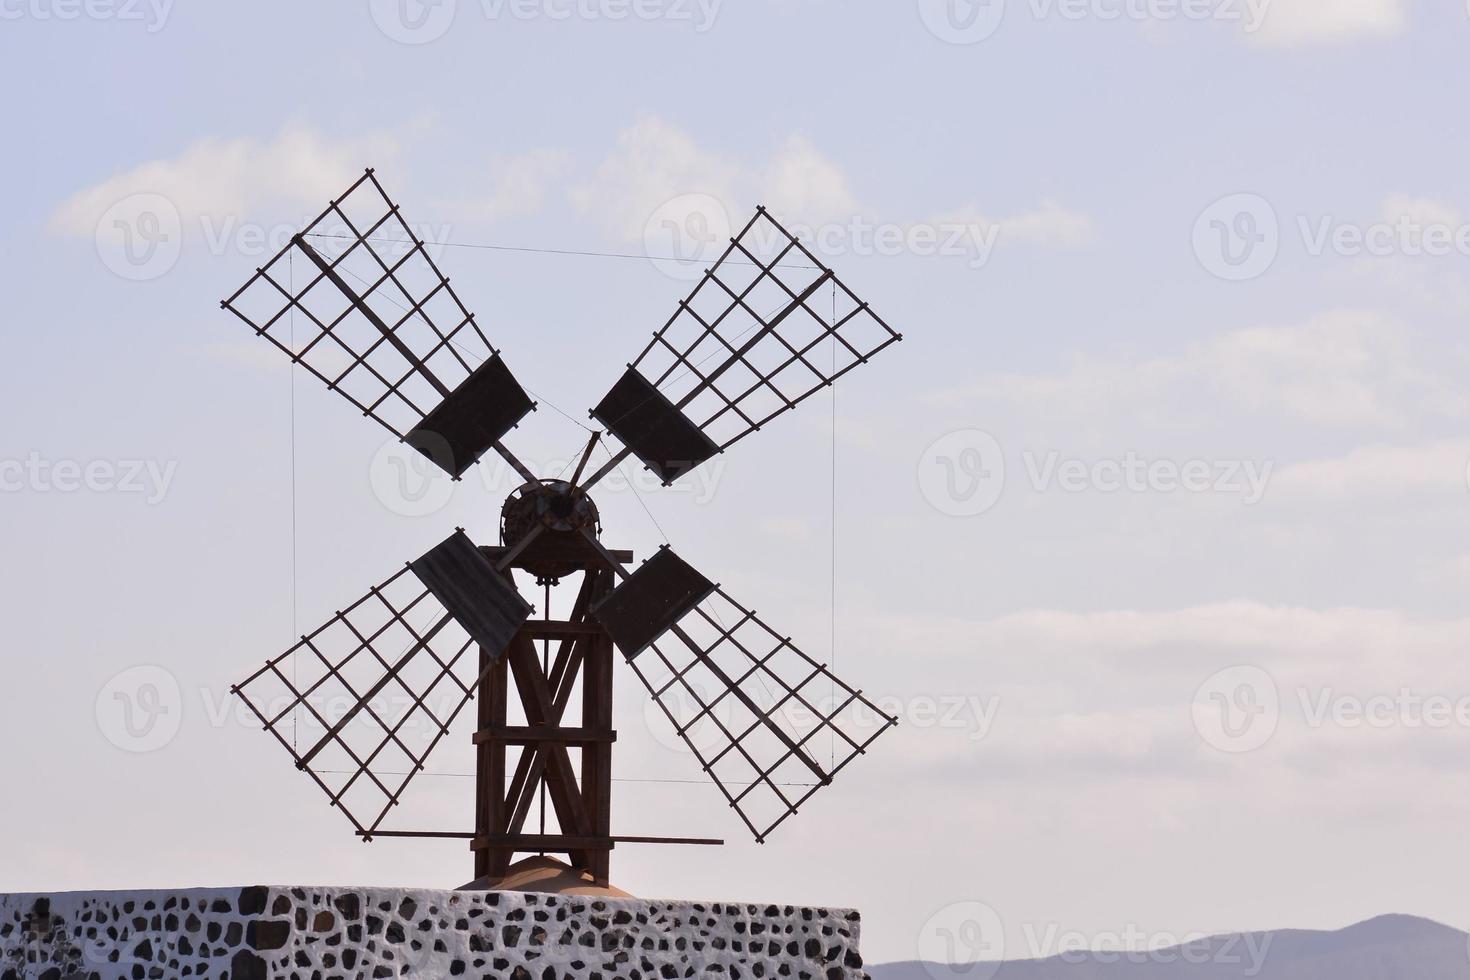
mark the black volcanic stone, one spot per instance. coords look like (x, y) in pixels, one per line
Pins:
(349, 906)
(247, 966)
(262, 934)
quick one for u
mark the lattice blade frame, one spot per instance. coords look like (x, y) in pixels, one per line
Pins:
(398, 650)
(433, 345)
(762, 774)
(768, 326)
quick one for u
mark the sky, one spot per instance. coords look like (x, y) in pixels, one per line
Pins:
(1151, 532)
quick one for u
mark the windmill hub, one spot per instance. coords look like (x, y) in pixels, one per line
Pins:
(557, 510)
(553, 504)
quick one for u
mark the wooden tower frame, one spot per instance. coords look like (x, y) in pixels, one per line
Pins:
(581, 795)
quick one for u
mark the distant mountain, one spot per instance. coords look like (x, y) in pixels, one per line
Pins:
(1394, 947)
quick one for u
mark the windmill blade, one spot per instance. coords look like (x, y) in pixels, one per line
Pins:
(362, 702)
(357, 300)
(769, 724)
(767, 327)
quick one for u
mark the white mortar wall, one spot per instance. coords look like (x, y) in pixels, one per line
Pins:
(275, 933)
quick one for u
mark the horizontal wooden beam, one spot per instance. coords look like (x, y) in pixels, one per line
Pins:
(516, 840)
(551, 629)
(557, 550)
(542, 842)
(522, 735)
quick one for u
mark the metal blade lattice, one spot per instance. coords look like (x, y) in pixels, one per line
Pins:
(360, 703)
(370, 249)
(765, 776)
(761, 332)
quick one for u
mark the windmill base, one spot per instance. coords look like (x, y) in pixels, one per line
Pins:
(279, 933)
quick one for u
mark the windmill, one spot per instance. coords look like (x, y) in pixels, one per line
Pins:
(357, 299)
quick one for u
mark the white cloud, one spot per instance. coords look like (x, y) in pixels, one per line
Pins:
(1048, 224)
(1421, 211)
(787, 529)
(1093, 693)
(800, 181)
(1341, 368)
(652, 163)
(657, 169)
(1438, 468)
(518, 184)
(1300, 22)
(231, 178)
(1346, 368)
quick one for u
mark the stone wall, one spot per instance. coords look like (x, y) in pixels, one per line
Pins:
(276, 933)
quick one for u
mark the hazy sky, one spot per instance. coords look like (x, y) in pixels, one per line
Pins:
(1152, 531)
